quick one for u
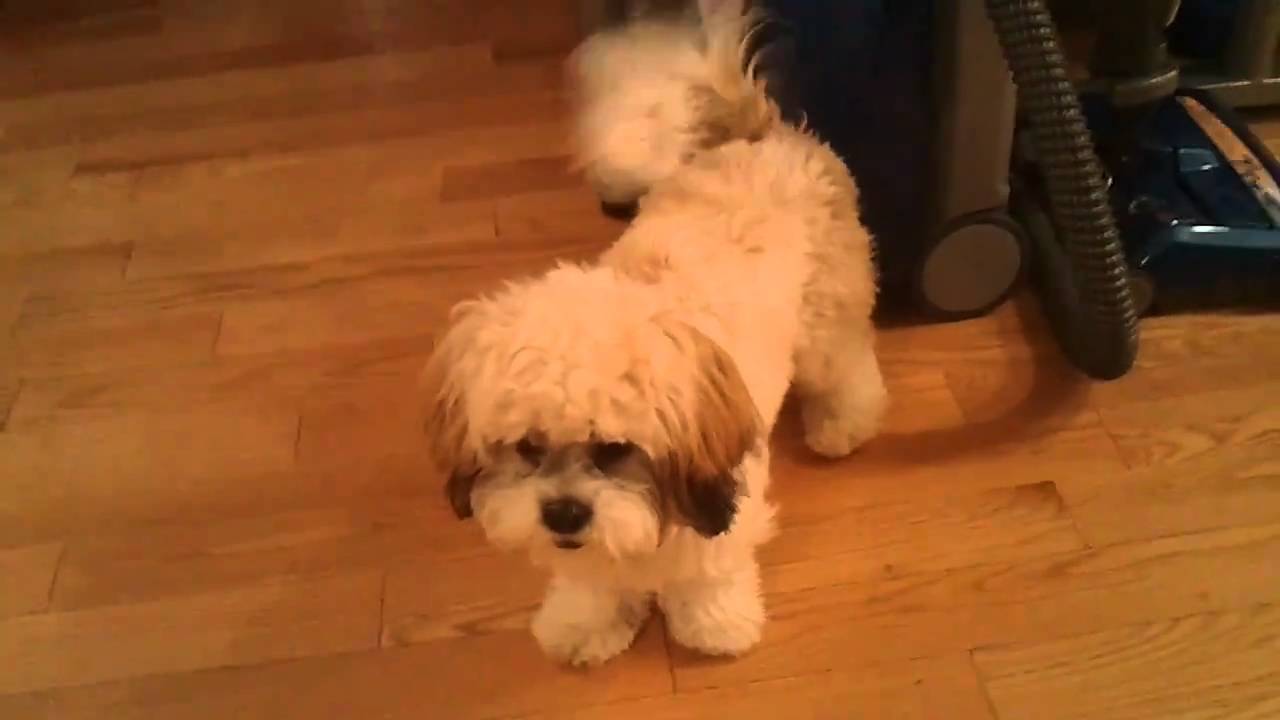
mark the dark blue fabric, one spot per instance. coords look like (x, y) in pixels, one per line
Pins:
(1202, 28)
(859, 70)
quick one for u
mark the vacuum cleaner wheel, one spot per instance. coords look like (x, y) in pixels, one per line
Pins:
(972, 266)
(1143, 289)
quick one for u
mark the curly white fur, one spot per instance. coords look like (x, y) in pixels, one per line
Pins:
(746, 273)
(645, 129)
(656, 92)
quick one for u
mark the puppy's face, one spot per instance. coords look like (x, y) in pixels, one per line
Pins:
(566, 497)
(564, 423)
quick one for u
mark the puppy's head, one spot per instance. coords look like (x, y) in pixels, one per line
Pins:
(570, 414)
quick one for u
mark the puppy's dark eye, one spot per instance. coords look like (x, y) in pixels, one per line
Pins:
(530, 451)
(605, 455)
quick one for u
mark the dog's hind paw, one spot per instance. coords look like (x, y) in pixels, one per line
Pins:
(836, 430)
(832, 436)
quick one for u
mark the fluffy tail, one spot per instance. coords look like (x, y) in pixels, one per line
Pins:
(732, 104)
(654, 93)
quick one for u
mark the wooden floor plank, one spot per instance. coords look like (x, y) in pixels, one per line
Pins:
(28, 574)
(832, 546)
(96, 113)
(357, 235)
(70, 23)
(1197, 353)
(242, 39)
(297, 204)
(360, 422)
(482, 595)
(840, 626)
(139, 150)
(174, 559)
(450, 679)
(1216, 490)
(9, 389)
(368, 310)
(27, 177)
(1034, 392)
(80, 213)
(555, 215)
(284, 377)
(944, 687)
(12, 297)
(93, 267)
(951, 458)
(208, 291)
(1202, 666)
(1180, 428)
(29, 706)
(239, 627)
(126, 340)
(232, 496)
(143, 466)
(473, 182)
(997, 373)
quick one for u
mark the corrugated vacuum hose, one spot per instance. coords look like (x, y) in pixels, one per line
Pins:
(1083, 277)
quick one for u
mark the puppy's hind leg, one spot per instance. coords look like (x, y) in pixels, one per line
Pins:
(842, 394)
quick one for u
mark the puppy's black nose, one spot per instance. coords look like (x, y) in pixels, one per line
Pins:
(620, 210)
(565, 515)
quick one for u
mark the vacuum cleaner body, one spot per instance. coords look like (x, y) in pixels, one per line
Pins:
(825, 62)
(920, 97)
(1197, 200)
(915, 96)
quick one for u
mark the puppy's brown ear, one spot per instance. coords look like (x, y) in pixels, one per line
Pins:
(458, 490)
(445, 423)
(718, 426)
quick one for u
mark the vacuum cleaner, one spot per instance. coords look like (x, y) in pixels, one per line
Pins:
(939, 86)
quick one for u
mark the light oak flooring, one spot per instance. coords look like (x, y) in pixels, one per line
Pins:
(228, 232)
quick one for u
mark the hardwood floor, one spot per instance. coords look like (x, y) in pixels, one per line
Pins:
(230, 231)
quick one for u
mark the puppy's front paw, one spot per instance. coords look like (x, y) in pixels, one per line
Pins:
(568, 634)
(723, 619)
(580, 645)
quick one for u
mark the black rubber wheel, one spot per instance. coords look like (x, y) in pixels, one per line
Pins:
(971, 267)
(1143, 289)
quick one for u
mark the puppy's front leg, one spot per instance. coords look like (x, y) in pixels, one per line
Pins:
(586, 624)
(718, 614)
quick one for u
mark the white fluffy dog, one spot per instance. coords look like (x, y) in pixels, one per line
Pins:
(613, 418)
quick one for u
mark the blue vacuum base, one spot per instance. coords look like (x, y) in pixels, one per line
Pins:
(1197, 201)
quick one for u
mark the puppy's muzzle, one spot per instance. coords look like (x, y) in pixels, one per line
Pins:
(565, 516)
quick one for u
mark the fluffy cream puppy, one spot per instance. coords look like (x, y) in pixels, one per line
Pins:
(612, 418)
